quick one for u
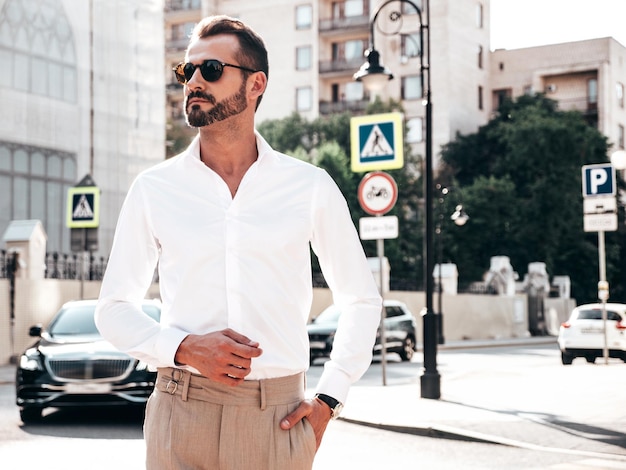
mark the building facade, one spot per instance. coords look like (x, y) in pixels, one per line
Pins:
(82, 93)
(315, 48)
(587, 76)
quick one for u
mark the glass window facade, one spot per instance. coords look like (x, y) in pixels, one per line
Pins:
(37, 55)
(33, 185)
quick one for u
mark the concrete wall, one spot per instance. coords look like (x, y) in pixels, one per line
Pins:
(466, 316)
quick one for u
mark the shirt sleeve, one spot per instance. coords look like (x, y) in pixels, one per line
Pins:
(128, 276)
(337, 245)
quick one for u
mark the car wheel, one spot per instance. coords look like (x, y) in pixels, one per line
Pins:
(30, 415)
(566, 358)
(408, 348)
(590, 359)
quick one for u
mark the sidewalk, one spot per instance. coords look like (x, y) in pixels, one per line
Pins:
(400, 408)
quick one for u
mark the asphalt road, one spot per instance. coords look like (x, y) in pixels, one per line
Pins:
(530, 377)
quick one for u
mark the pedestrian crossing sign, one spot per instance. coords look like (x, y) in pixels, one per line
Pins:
(83, 207)
(376, 142)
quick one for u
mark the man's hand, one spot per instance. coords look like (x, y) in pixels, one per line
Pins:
(317, 412)
(224, 356)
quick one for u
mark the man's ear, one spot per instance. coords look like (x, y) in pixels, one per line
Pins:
(259, 84)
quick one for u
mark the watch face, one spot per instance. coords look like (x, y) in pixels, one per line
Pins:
(337, 410)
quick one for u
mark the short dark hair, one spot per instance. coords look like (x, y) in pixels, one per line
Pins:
(252, 52)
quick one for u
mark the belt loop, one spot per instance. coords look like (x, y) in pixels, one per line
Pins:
(186, 380)
(263, 397)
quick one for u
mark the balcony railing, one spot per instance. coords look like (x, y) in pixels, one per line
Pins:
(176, 44)
(348, 22)
(578, 104)
(340, 65)
(176, 5)
(338, 107)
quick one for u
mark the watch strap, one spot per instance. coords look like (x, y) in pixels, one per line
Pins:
(335, 405)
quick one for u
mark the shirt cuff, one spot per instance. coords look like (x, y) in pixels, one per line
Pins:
(334, 383)
(167, 345)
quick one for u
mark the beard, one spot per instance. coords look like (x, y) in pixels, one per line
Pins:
(220, 111)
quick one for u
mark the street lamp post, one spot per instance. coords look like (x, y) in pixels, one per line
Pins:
(374, 75)
(460, 218)
(443, 191)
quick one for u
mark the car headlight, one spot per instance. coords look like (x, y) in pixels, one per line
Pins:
(141, 366)
(31, 360)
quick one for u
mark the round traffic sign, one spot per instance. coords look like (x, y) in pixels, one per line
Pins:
(378, 193)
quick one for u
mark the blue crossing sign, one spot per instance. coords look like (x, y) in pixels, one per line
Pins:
(83, 207)
(598, 180)
(376, 142)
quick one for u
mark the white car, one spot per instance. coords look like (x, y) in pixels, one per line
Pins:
(583, 334)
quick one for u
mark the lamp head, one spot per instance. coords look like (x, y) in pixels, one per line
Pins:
(618, 159)
(459, 216)
(373, 75)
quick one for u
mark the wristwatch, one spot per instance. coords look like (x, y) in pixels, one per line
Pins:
(335, 405)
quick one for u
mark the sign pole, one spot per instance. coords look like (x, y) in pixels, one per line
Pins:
(603, 291)
(377, 195)
(380, 248)
(600, 212)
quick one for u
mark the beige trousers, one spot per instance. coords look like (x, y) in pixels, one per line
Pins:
(195, 423)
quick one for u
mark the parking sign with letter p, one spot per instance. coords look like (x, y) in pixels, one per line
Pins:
(598, 180)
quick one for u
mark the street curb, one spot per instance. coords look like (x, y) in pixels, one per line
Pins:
(495, 343)
(439, 432)
(448, 432)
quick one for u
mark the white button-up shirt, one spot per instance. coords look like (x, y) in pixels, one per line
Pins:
(239, 262)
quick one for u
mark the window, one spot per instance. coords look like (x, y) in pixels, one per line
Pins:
(354, 8)
(596, 314)
(411, 87)
(480, 57)
(592, 93)
(620, 136)
(350, 8)
(304, 16)
(354, 91)
(393, 311)
(415, 130)
(619, 89)
(37, 45)
(410, 45)
(33, 185)
(480, 97)
(349, 50)
(500, 96)
(479, 15)
(182, 31)
(303, 58)
(304, 99)
(183, 4)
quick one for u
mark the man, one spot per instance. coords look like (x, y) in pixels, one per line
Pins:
(230, 222)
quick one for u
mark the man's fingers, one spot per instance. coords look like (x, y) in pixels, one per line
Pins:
(239, 338)
(296, 416)
(243, 346)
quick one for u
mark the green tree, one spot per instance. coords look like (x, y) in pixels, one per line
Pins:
(177, 138)
(521, 180)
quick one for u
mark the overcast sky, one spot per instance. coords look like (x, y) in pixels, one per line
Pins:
(527, 23)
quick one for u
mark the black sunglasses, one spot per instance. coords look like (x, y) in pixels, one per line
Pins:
(211, 70)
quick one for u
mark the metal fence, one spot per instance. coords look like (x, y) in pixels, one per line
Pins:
(67, 266)
(61, 266)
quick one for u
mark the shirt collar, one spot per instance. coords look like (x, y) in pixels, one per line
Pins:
(265, 151)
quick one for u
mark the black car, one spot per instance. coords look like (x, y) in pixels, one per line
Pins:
(400, 331)
(72, 365)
